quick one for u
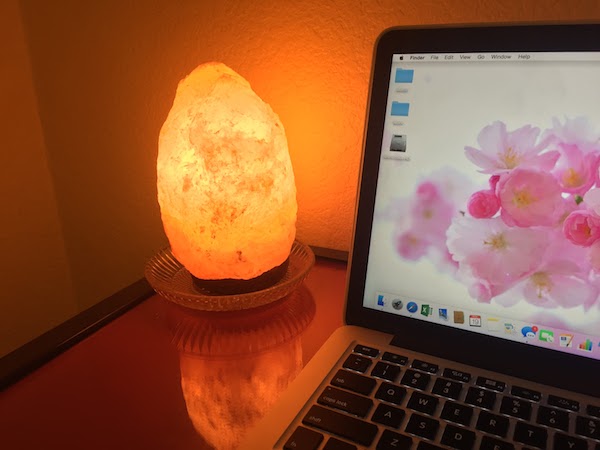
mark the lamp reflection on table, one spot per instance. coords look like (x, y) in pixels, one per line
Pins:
(234, 365)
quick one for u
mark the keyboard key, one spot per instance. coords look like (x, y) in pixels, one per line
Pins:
(489, 443)
(530, 435)
(587, 427)
(447, 388)
(593, 410)
(394, 441)
(563, 403)
(368, 351)
(390, 393)
(394, 358)
(554, 418)
(458, 438)
(345, 426)
(386, 371)
(345, 401)
(457, 413)
(423, 403)
(491, 384)
(516, 407)
(422, 426)
(480, 397)
(527, 394)
(493, 424)
(424, 366)
(388, 415)
(303, 439)
(358, 363)
(336, 444)
(457, 375)
(353, 382)
(569, 442)
(415, 379)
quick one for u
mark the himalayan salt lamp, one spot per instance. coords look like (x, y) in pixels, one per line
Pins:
(225, 181)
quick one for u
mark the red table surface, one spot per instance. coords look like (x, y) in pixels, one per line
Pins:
(121, 388)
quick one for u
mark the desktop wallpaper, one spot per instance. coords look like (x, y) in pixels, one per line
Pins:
(489, 194)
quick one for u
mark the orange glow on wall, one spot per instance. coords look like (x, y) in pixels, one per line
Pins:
(225, 180)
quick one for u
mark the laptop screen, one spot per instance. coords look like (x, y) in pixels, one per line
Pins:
(487, 209)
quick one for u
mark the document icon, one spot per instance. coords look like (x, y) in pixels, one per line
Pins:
(399, 109)
(493, 324)
(404, 76)
(398, 143)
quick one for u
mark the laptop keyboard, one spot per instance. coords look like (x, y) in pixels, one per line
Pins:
(387, 401)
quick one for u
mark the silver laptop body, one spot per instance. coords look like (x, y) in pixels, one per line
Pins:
(472, 311)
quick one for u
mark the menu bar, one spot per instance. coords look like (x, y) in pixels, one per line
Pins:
(497, 57)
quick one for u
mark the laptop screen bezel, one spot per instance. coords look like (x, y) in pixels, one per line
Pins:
(546, 366)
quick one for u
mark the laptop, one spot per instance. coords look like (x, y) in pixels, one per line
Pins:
(472, 310)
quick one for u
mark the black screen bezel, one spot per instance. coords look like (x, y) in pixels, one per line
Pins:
(538, 364)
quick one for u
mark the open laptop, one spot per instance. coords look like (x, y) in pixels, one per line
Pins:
(473, 311)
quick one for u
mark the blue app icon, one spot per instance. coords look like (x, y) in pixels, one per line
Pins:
(529, 332)
(443, 313)
(380, 301)
(412, 307)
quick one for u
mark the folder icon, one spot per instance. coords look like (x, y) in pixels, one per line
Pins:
(404, 75)
(399, 109)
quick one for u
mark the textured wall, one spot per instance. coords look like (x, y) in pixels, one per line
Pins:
(106, 72)
(35, 288)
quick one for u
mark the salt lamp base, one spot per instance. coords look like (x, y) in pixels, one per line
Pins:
(231, 286)
(171, 280)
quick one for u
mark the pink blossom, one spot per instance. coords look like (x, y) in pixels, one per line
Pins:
(442, 259)
(594, 256)
(431, 213)
(559, 284)
(577, 132)
(451, 184)
(569, 204)
(493, 181)
(576, 171)
(422, 221)
(579, 148)
(483, 204)
(502, 151)
(529, 198)
(411, 246)
(592, 200)
(427, 191)
(493, 255)
(561, 279)
(481, 292)
(582, 228)
(561, 249)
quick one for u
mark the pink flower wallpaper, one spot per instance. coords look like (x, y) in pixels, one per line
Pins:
(532, 234)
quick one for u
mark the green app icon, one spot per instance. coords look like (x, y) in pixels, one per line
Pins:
(546, 336)
(426, 310)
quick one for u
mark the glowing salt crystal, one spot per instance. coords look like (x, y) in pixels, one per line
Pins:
(225, 181)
